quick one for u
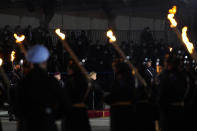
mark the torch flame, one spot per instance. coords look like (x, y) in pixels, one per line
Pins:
(186, 41)
(61, 35)
(19, 39)
(171, 18)
(111, 36)
(170, 48)
(1, 62)
(13, 56)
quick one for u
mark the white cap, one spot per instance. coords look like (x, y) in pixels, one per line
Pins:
(37, 54)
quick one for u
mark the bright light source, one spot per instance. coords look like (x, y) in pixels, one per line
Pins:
(128, 57)
(83, 60)
(1, 62)
(21, 62)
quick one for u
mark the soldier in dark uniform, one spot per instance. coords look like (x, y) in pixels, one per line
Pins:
(150, 73)
(146, 110)
(2, 97)
(122, 98)
(77, 118)
(38, 97)
(95, 98)
(173, 86)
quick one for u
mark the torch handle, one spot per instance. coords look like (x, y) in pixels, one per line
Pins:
(74, 57)
(121, 53)
(178, 33)
(194, 55)
(4, 77)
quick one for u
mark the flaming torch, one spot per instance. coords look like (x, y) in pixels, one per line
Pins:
(188, 44)
(3, 75)
(171, 18)
(173, 22)
(182, 37)
(70, 51)
(13, 56)
(75, 59)
(19, 40)
(112, 40)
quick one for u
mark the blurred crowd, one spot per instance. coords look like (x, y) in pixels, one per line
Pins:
(48, 84)
(95, 55)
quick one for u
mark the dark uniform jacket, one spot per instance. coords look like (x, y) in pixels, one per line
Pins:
(39, 101)
(77, 118)
(173, 86)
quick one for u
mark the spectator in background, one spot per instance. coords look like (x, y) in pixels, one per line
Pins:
(72, 40)
(28, 33)
(147, 37)
(83, 44)
(38, 35)
(72, 37)
(6, 34)
(18, 30)
(48, 41)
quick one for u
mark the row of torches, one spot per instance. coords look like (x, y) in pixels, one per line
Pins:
(112, 39)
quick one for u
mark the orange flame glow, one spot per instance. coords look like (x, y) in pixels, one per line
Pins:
(19, 39)
(189, 45)
(61, 35)
(171, 18)
(111, 36)
(1, 62)
(13, 56)
(170, 48)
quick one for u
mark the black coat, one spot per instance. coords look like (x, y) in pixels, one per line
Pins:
(77, 118)
(76, 86)
(173, 85)
(39, 101)
(122, 116)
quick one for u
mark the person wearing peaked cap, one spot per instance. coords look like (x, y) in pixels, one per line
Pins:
(39, 101)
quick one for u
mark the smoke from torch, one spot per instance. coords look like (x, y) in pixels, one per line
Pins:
(19, 39)
(189, 45)
(61, 35)
(171, 18)
(13, 56)
(111, 36)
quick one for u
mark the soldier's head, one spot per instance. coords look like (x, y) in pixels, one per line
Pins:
(72, 68)
(38, 56)
(26, 67)
(149, 63)
(171, 61)
(121, 68)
